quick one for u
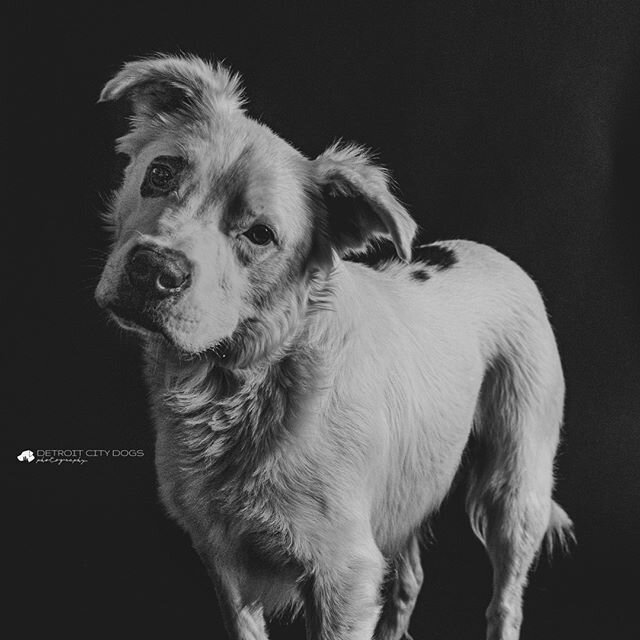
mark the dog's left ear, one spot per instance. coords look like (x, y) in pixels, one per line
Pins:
(359, 203)
(166, 84)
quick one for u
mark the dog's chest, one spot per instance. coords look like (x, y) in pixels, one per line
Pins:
(227, 460)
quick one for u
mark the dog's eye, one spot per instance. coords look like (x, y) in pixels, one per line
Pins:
(160, 176)
(260, 234)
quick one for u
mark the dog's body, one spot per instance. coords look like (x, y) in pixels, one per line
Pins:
(304, 445)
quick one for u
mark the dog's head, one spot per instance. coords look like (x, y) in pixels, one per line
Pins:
(220, 226)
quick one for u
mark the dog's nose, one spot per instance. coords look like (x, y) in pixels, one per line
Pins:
(158, 272)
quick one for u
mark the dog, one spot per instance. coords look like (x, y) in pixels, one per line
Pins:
(311, 412)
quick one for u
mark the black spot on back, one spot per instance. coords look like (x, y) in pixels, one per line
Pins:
(420, 275)
(431, 255)
(377, 255)
(435, 256)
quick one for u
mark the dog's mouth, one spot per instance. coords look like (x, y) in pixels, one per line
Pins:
(152, 319)
(146, 325)
(147, 322)
(133, 319)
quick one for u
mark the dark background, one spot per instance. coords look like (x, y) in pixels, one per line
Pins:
(514, 124)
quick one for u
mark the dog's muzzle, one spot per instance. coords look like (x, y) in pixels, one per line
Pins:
(152, 280)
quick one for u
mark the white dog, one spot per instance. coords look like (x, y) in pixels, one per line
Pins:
(311, 413)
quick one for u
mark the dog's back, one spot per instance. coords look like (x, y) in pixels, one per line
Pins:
(444, 329)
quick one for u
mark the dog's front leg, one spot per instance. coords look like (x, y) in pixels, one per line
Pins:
(404, 586)
(341, 597)
(241, 620)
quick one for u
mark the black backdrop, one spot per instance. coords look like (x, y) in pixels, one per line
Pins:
(514, 124)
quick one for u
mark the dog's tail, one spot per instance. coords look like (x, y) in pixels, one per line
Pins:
(560, 532)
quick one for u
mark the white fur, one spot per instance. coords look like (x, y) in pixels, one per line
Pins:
(304, 460)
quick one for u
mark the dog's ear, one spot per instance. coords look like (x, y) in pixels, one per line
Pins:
(166, 84)
(360, 206)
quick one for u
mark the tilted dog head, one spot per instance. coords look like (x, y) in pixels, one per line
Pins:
(220, 225)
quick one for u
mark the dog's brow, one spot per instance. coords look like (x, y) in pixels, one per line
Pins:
(229, 188)
(237, 211)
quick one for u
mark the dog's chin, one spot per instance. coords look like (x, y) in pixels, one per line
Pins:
(149, 327)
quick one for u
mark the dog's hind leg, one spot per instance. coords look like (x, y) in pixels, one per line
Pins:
(401, 593)
(509, 501)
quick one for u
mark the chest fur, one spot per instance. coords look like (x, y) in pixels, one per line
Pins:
(232, 465)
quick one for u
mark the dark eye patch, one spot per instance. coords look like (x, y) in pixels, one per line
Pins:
(162, 176)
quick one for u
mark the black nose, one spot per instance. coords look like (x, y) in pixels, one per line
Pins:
(158, 272)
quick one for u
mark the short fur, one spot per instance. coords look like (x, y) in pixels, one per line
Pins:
(312, 412)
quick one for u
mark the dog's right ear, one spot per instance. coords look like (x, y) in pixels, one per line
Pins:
(358, 202)
(169, 84)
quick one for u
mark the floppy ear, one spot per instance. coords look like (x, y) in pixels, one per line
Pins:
(166, 84)
(359, 203)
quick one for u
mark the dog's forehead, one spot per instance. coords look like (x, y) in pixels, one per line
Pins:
(239, 158)
(240, 145)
